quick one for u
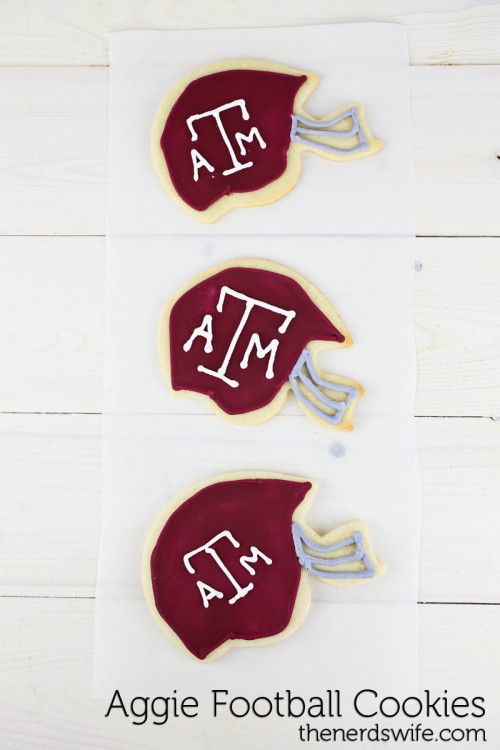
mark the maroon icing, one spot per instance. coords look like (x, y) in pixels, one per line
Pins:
(258, 513)
(255, 391)
(269, 99)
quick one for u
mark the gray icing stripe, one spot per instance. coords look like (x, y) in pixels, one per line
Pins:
(308, 561)
(305, 372)
(303, 127)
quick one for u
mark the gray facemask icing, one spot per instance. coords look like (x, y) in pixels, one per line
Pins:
(308, 561)
(303, 127)
(305, 373)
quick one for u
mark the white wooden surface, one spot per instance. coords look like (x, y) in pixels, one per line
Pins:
(53, 113)
(53, 146)
(48, 689)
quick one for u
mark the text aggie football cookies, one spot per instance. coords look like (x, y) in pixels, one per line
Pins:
(228, 563)
(232, 133)
(243, 334)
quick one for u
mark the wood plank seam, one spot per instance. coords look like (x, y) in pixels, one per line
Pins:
(54, 597)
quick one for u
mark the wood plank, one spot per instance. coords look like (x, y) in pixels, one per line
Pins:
(46, 661)
(53, 150)
(55, 33)
(53, 147)
(456, 115)
(457, 313)
(459, 652)
(51, 486)
(51, 338)
(460, 469)
(51, 333)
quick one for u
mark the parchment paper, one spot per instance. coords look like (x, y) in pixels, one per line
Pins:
(365, 63)
(349, 230)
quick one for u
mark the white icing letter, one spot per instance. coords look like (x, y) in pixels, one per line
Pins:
(245, 560)
(216, 114)
(212, 593)
(198, 162)
(261, 353)
(204, 330)
(206, 591)
(254, 133)
(208, 547)
(250, 303)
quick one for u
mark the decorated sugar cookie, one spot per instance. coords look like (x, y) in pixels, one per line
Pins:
(228, 564)
(232, 134)
(244, 334)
